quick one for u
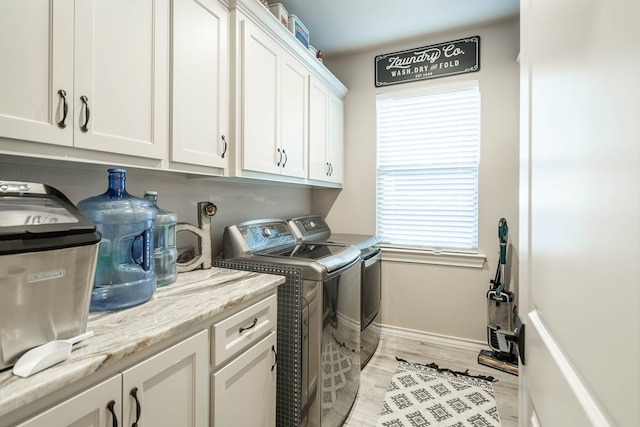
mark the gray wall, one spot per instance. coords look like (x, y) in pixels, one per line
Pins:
(236, 202)
(449, 301)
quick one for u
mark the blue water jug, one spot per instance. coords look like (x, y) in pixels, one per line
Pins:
(165, 252)
(125, 274)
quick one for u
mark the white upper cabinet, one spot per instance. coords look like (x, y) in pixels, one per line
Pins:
(212, 87)
(275, 114)
(294, 121)
(122, 76)
(36, 76)
(91, 74)
(200, 83)
(335, 144)
(326, 139)
(273, 98)
(259, 101)
(318, 130)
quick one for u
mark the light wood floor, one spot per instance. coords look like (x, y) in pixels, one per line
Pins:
(376, 376)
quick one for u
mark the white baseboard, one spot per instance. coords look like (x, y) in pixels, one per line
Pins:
(428, 337)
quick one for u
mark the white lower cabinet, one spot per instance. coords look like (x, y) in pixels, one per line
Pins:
(167, 389)
(100, 406)
(170, 388)
(244, 359)
(243, 392)
(224, 375)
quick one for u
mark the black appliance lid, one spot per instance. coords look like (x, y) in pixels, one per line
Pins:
(35, 217)
(322, 257)
(364, 242)
(310, 251)
(314, 228)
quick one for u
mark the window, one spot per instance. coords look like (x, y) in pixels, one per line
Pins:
(427, 167)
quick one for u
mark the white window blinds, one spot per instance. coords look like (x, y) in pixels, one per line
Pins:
(427, 167)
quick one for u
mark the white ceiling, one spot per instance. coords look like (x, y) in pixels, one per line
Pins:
(342, 26)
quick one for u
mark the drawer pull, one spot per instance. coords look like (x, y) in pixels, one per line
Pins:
(85, 102)
(225, 147)
(65, 109)
(110, 405)
(253, 325)
(275, 353)
(134, 394)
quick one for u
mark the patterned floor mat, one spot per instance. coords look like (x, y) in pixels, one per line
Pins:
(426, 395)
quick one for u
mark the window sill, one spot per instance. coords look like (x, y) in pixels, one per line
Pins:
(415, 256)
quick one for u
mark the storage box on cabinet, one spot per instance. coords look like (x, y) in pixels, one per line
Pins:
(298, 30)
(280, 13)
(241, 330)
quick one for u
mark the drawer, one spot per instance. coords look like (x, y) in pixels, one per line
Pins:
(239, 331)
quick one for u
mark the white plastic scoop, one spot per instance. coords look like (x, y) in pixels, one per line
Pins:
(46, 355)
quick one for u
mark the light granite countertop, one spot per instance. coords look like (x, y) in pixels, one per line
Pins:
(194, 298)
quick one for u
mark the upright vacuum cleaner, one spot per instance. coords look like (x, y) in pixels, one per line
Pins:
(505, 331)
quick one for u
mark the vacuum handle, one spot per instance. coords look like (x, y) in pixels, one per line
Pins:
(503, 233)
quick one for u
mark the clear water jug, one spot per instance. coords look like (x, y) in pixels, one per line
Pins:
(125, 274)
(165, 252)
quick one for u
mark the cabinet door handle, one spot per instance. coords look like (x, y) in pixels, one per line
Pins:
(114, 418)
(275, 353)
(224, 151)
(328, 169)
(285, 158)
(253, 325)
(85, 101)
(280, 158)
(65, 109)
(134, 394)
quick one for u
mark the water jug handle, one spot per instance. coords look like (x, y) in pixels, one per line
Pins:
(141, 249)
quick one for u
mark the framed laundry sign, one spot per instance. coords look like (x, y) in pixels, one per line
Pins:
(438, 60)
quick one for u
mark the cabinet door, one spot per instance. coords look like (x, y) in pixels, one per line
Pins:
(335, 142)
(260, 74)
(87, 409)
(237, 332)
(294, 117)
(243, 393)
(171, 386)
(200, 81)
(36, 47)
(318, 130)
(326, 140)
(121, 73)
